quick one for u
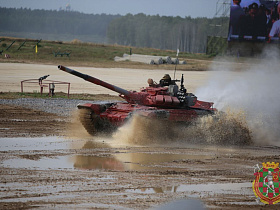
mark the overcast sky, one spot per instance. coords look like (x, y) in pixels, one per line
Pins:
(193, 8)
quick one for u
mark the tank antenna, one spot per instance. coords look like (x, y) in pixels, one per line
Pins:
(176, 63)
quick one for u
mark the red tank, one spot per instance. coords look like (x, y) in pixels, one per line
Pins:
(165, 101)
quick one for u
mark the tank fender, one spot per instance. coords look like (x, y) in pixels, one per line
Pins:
(96, 108)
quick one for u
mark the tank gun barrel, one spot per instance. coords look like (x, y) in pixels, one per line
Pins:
(94, 80)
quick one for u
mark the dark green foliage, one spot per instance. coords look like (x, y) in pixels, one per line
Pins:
(187, 34)
(54, 22)
(160, 32)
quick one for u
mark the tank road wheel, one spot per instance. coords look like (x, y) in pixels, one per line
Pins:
(94, 124)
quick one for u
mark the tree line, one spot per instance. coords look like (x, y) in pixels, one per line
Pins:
(54, 22)
(161, 32)
(186, 34)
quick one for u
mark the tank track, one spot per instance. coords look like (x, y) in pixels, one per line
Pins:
(93, 124)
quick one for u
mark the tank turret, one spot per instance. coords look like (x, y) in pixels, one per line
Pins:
(166, 94)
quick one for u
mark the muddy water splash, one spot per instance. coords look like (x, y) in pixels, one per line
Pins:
(220, 129)
(224, 128)
(75, 127)
(254, 90)
(141, 130)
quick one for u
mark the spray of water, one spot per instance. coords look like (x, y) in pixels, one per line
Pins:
(142, 131)
(75, 129)
(223, 128)
(253, 91)
(219, 129)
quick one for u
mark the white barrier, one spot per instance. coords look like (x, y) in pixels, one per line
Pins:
(149, 59)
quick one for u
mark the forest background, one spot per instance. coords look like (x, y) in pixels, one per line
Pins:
(140, 30)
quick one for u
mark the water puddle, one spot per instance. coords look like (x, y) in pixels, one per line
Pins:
(116, 162)
(41, 143)
(38, 153)
(233, 188)
(133, 161)
(57, 163)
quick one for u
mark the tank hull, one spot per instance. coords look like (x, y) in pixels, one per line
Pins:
(104, 118)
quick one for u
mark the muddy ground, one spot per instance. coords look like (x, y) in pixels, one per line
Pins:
(63, 167)
(48, 161)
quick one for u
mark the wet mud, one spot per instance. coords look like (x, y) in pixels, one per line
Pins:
(17, 121)
(48, 161)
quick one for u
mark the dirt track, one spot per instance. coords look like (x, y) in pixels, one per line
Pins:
(70, 169)
(130, 79)
(20, 121)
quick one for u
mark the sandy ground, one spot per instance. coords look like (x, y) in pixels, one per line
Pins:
(61, 166)
(130, 79)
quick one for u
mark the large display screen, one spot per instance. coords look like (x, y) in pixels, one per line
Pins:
(255, 20)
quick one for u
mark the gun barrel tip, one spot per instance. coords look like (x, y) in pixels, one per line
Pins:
(59, 66)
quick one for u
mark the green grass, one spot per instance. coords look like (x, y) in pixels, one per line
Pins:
(86, 54)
